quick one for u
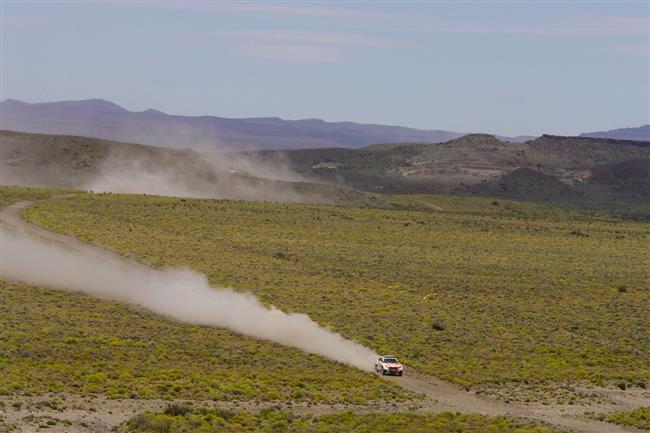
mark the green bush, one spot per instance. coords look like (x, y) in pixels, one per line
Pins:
(639, 418)
(270, 421)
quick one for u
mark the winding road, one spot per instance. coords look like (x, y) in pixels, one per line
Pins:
(440, 395)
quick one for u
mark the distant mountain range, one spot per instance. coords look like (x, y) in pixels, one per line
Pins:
(99, 118)
(641, 133)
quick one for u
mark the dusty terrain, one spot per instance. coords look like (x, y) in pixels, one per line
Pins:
(80, 414)
(60, 161)
(99, 414)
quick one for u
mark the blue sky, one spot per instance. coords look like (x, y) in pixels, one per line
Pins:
(500, 67)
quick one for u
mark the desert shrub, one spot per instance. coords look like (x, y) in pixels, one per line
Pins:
(274, 421)
(437, 326)
(155, 357)
(177, 409)
(520, 297)
(12, 194)
(639, 418)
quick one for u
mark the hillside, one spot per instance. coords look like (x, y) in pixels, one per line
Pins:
(571, 170)
(92, 164)
(641, 133)
(103, 119)
(596, 174)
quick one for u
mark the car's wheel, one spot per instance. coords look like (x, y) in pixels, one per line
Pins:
(400, 373)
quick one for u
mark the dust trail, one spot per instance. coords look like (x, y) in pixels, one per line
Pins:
(198, 175)
(181, 294)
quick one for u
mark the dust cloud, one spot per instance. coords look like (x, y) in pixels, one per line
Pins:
(180, 294)
(96, 165)
(191, 174)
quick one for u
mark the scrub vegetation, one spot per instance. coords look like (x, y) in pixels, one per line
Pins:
(639, 418)
(187, 420)
(490, 294)
(12, 194)
(55, 341)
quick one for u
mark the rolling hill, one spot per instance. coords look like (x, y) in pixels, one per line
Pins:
(553, 169)
(41, 160)
(596, 174)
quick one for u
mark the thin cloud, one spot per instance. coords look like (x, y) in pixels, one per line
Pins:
(641, 49)
(512, 99)
(24, 20)
(309, 37)
(558, 27)
(291, 52)
(163, 82)
(288, 8)
(588, 25)
(298, 45)
(610, 25)
(630, 69)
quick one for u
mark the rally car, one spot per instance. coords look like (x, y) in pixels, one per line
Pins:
(389, 365)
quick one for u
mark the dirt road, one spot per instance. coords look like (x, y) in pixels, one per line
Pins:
(440, 395)
(450, 397)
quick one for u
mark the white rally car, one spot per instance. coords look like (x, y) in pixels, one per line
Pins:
(389, 365)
